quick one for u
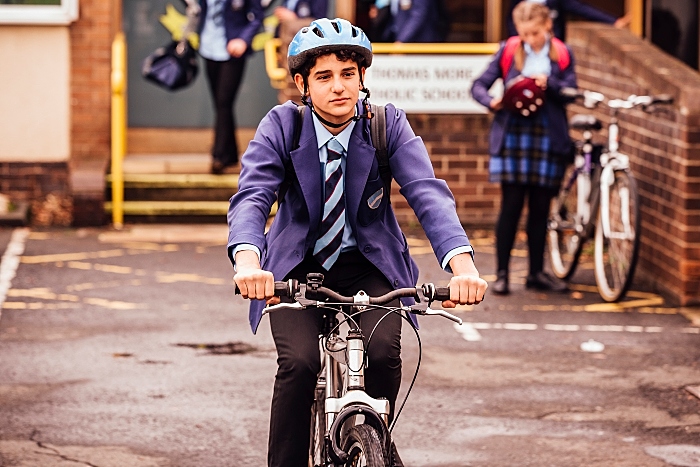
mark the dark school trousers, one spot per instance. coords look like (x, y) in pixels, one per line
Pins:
(512, 202)
(296, 337)
(224, 80)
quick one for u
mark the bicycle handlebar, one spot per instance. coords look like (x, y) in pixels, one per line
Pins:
(591, 99)
(314, 294)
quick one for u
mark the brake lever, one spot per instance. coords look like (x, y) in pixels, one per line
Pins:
(416, 310)
(444, 314)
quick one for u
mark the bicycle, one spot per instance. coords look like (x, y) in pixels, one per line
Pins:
(348, 427)
(599, 199)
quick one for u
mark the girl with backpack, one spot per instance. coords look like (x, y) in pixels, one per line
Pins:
(529, 142)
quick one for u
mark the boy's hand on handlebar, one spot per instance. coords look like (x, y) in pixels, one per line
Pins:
(252, 281)
(466, 287)
(466, 290)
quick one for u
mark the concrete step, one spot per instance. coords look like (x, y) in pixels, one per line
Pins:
(173, 187)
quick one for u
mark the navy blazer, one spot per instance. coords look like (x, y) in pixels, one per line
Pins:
(294, 230)
(554, 104)
(242, 19)
(310, 8)
(419, 23)
(560, 9)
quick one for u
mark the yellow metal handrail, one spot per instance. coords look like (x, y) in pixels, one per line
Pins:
(118, 127)
(278, 75)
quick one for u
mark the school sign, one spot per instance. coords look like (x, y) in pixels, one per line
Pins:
(427, 83)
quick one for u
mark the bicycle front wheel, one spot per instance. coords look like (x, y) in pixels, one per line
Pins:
(565, 228)
(364, 447)
(617, 244)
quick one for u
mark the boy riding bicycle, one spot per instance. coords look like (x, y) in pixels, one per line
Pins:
(335, 219)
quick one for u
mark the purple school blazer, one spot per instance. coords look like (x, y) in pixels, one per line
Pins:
(295, 227)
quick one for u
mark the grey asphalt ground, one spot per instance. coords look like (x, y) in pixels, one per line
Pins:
(128, 348)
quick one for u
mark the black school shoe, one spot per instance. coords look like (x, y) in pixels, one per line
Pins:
(543, 281)
(500, 287)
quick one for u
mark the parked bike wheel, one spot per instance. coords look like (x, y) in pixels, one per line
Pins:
(317, 451)
(364, 447)
(616, 252)
(565, 228)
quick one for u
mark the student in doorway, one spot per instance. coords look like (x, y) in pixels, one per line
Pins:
(528, 148)
(226, 31)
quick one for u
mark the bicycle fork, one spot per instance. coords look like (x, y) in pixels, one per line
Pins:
(341, 408)
(607, 179)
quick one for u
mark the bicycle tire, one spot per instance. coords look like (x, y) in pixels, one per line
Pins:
(616, 254)
(317, 446)
(565, 229)
(364, 447)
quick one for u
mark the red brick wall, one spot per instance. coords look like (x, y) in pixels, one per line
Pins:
(664, 149)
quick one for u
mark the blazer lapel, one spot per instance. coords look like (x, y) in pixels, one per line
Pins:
(358, 166)
(308, 169)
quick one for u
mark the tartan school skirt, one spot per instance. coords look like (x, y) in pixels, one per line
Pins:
(526, 158)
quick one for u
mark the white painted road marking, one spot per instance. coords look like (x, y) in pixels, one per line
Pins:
(10, 261)
(470, 331)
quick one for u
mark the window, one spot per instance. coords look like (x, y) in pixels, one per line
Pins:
(38, 11)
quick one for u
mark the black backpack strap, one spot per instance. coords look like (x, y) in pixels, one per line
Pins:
(377, 130)
(289, 174)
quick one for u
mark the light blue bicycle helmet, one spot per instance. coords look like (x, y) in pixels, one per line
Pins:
(326, 36)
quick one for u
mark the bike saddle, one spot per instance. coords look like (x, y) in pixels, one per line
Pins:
(585, 123)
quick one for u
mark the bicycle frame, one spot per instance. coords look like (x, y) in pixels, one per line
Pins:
(342, 377)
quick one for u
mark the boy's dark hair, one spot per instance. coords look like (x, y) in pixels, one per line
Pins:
(342, 55)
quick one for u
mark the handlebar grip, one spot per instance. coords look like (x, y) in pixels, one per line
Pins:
(282, 288)
(441, 294)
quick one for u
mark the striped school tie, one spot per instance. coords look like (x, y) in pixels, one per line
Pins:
(330, 238)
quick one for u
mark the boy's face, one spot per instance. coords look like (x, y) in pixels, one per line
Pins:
(334, 87)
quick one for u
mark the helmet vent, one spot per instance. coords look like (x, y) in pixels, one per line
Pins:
(318, 32)
(354, 31)
(336, 26)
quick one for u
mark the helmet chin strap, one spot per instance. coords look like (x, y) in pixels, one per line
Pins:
(365, 104)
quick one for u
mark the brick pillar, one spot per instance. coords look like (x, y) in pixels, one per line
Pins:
(91, 55)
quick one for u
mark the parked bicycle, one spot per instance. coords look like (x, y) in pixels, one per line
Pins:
(599, 199)
(348, 427)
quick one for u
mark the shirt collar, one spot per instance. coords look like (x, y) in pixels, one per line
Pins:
(323, 135)
(544, 52)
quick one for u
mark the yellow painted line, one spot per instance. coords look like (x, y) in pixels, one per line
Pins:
(38, 306)
(39, 236)
(42, 293)
(71, 256)
(421, 250)
(624, 306)
(413, 241)
(692, 314)
(150, 246)
(113, 305)
(99, 285)
(168, 278)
